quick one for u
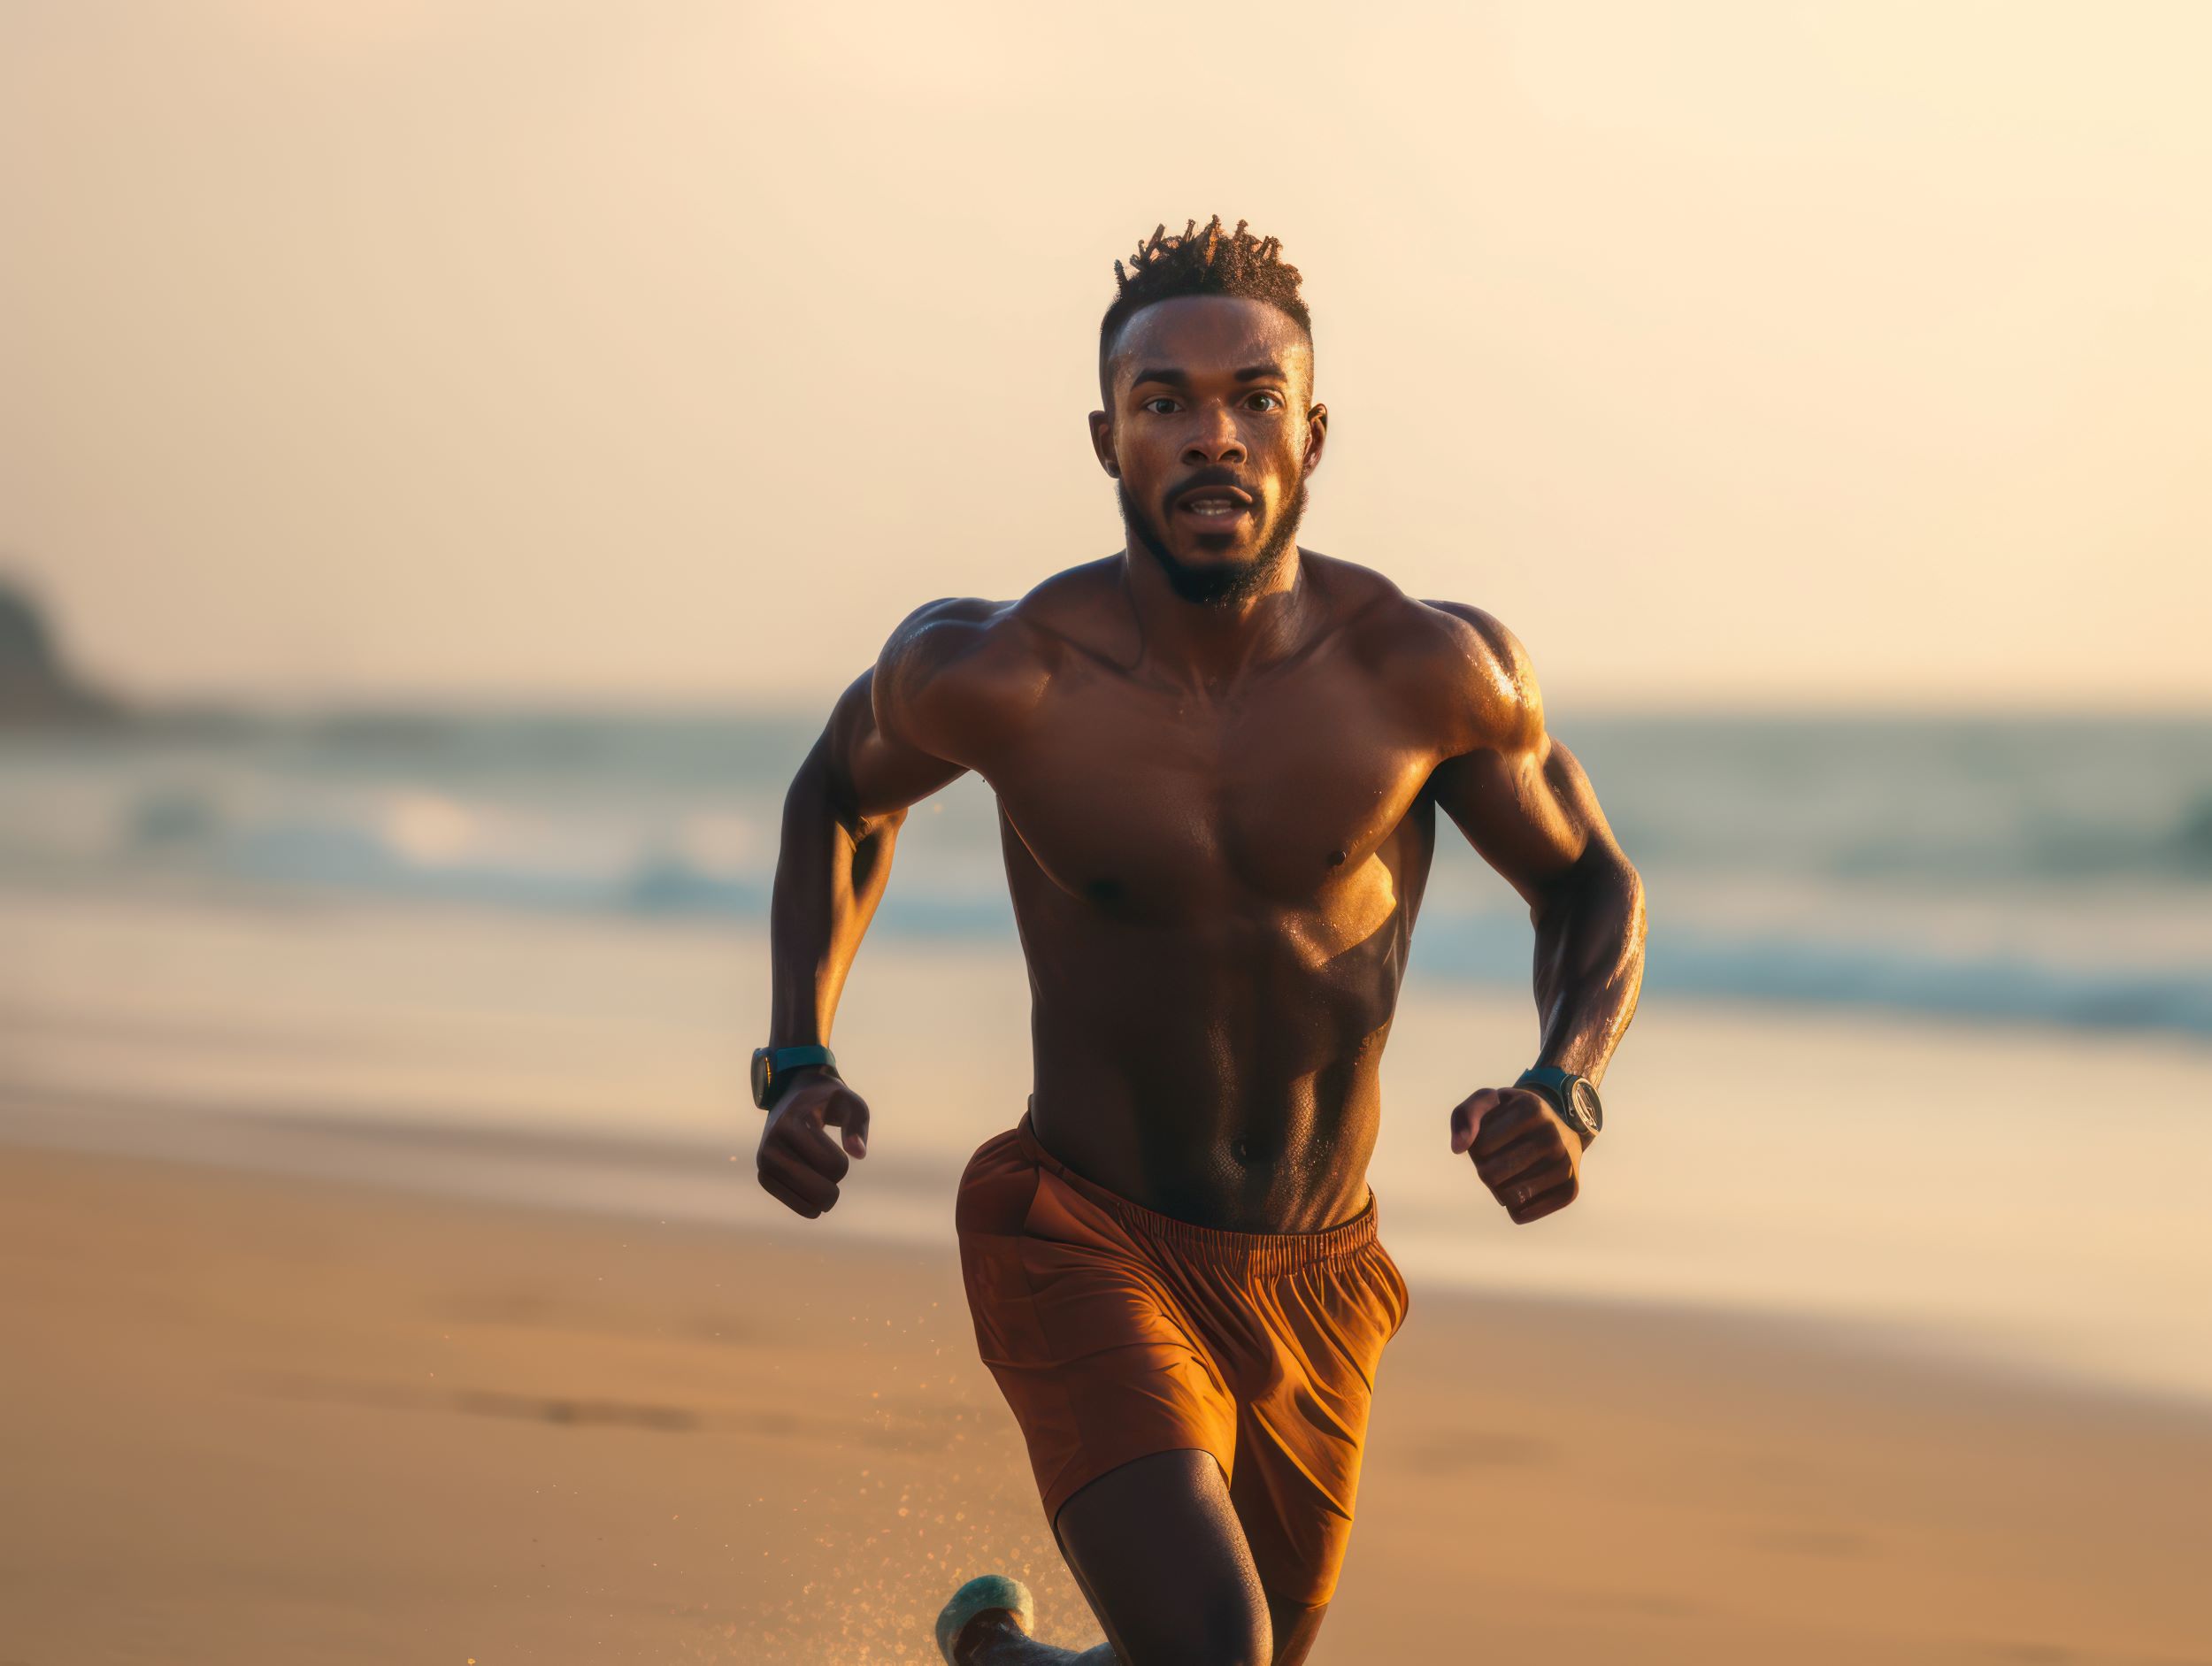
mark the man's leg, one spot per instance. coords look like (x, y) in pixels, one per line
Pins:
(1157, 1547)
(1295, 1629)
(1293, 1615)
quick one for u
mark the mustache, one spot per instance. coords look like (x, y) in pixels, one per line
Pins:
(1220, 586)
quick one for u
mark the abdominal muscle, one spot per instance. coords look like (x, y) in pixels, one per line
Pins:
(1216, 1075)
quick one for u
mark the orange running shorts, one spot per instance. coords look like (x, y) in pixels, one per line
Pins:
(1116, 1332)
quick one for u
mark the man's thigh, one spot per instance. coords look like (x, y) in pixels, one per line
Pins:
(1158, 1548)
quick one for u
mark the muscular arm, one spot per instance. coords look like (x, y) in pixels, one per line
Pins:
(1524, 804)
(894, 736)
(890, 744)
(841, 823)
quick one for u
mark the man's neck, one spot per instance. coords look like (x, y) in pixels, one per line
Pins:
(1206, 649)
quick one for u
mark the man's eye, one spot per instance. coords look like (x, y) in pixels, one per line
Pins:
(1273, 401)
(1162, 406)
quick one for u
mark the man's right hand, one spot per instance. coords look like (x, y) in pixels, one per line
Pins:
(801, 1164)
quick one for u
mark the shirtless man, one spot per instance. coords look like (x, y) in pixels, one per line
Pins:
(1218, 760)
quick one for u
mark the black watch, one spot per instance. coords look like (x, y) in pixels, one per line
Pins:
(1574, 1097)
(772, 1067)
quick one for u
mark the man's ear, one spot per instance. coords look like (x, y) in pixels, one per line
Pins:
(1316, 435)
(1103, 443)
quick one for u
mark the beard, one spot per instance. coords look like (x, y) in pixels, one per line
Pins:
(1222, 584)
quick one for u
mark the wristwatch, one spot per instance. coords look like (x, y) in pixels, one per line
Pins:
(771, 1066)
(1574, 1097)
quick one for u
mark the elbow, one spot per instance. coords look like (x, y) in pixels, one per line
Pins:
(821, 791)
(1631, 886)
(882, 825)
(1617, 877)
(1627, 887)
(1603, 884)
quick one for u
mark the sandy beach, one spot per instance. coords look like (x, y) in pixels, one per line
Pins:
(258, 1419)
(389, 1285)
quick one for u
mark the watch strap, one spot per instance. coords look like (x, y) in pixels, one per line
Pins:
(779, 1062)
(1557, 1085)
(1549, 1077)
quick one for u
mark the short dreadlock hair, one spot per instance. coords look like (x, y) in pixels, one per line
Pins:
(1210, 261)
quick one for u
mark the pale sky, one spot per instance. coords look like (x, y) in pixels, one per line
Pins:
(508, 350)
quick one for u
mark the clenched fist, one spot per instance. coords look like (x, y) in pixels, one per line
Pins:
(1528, 1155)
(800, 1165)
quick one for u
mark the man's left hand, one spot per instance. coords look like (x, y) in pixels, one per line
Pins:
(1525, 1152)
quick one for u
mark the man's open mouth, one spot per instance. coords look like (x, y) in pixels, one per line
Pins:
(1214, 505)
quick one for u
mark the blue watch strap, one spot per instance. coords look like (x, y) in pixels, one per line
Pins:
(1550, 1078)
(771, 1064)
(1557, 1085)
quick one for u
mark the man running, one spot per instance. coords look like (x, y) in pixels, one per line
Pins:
(1218, 760)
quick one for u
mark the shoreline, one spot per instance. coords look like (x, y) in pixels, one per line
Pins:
(321, 1153)
(592, 1173)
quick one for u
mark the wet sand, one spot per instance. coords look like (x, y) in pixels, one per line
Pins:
(257, 1419)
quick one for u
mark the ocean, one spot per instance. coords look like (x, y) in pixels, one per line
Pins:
(2041, 872)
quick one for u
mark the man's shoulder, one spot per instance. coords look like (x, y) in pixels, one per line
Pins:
(1454, 663)
(968, 662)
(1489, 680)
(945, 661)
(1372, 609)
(974, 636)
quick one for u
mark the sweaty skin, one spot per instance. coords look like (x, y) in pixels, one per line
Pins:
(1217, 821)
(1220, 760)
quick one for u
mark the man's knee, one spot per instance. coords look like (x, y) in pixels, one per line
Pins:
(1158, 1549)
(1217, 1629)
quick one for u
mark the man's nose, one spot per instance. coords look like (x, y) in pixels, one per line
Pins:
(1214, 440)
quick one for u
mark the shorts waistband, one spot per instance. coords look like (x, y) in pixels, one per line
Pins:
(1265, 1253)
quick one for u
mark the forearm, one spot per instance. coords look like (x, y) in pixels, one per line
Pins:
(1589, 960)
(830, 874)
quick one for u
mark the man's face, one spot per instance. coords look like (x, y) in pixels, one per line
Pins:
(1211, 433)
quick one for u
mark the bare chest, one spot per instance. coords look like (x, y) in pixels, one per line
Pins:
(1159, 806)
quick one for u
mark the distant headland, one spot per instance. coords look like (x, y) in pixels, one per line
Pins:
(36, 688)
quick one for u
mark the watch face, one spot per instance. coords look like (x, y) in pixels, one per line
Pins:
(1583, 1101)
(760, 1076)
